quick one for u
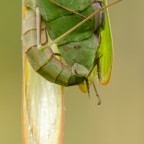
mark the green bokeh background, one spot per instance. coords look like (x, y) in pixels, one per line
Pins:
(120, 118)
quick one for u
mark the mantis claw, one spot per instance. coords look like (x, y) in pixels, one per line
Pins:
(99, 99)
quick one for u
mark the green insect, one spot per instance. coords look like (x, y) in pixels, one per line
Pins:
(82, 36)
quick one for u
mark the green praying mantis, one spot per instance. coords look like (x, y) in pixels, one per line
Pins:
(82, 33)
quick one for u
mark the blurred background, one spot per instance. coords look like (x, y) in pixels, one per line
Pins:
(120, 117)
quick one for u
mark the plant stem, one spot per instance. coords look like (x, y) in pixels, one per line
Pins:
(42, 107)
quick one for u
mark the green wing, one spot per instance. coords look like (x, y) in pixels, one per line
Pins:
(104, 53)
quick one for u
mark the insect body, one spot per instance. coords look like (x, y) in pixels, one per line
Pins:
(79, 48)
(84, 49)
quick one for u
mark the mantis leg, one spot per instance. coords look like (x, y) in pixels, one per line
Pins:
(38, 27)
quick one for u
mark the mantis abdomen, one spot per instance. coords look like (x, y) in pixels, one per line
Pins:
(44, 61)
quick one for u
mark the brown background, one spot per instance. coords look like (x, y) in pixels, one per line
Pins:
(120, 118)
